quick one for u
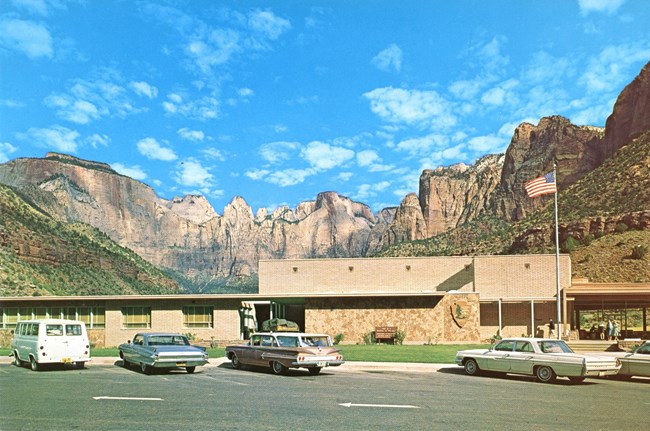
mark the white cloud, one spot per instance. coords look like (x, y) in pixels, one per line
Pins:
(205, 108)
(134, 172)
(367, 157)
(142, 88)
(389, 59)
(39, 7)
(501, 94)
(5, 149)
(422, 145)
(289, 177)
(489, 144)
(245, 92)
(606, 6)
(397, 105)
(323, 156)
(268, 24)
(190, 173)
(344, 176)
(257, 174)
(277, 152)
(95, 140)
(32, 39)
(191, 135)
(213, 153)
(91, 100)
(442, 157)
(365, 191)
(151, 149)
(214, 49)
(608, 71)
(465, 89)
(59, 138)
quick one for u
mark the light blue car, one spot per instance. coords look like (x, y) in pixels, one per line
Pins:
(162, 350)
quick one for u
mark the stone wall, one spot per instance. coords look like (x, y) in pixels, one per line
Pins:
(424, 319)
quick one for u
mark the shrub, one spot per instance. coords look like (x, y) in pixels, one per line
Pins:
(588, 239)
(338, 338)
(621, 227)
(369, 337)
(639, 251)
(400, 335)
(570, 244)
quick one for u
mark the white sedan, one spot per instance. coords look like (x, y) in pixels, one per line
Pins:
(543, 358)
(636, 363)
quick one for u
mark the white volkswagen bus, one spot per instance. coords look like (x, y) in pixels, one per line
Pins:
(50, 341)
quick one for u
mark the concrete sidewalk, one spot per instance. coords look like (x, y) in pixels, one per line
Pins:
(349, 365)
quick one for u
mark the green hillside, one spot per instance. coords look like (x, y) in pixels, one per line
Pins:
(40, 256)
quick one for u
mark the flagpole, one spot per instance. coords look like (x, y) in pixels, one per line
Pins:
(557, 259)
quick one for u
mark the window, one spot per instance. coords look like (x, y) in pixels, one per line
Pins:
(93, 317)
(54, 330)
(505, 346)
(72, 330)
(197, 316)
(136, 317)
(523, 346)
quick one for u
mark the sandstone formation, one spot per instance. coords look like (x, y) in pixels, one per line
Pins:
(630, 117)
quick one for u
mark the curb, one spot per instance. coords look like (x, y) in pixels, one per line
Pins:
(104, 361)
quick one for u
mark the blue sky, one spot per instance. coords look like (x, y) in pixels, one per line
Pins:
(277, 101)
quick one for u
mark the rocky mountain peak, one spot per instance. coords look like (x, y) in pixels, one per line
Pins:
(630, 117)
(195, 208)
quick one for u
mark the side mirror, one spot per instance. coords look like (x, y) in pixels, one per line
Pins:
(128, 341)
(11, 332)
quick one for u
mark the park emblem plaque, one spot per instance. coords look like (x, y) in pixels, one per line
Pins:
(460, 312)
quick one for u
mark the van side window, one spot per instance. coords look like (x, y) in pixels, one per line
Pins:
(33, 329)
(19, 329)
(54, 329)
(72, 329)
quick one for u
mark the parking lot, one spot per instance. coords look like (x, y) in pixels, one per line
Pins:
(106, 397)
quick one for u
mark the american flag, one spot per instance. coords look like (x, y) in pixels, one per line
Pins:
(541, 185)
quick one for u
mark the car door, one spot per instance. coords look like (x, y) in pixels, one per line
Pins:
(521, 360)
(499, 357)
(639, 361)
(265, 345)
(131, 351)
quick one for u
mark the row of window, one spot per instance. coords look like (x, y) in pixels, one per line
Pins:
(194, 316)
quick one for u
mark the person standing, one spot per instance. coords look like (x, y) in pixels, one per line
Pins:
(610, 329)
(551, 328)
(601, 330)
(616, 330)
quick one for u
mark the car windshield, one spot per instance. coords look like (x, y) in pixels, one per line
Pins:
(554, 347)
(316, 341)
(287, 341)
(168, 340)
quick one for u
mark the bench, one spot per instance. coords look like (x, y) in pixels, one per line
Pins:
(385, 333)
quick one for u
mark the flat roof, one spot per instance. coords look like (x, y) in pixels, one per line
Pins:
(241, 296)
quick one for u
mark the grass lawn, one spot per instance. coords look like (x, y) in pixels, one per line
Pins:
(441, 353)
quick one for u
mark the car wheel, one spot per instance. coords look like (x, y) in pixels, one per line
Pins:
(190, 370)
(545, 374)
(234, 361)
(17, 361)
(577, 379)
(314, 371)
(471, 367)
(278, 368)
(146, 369)
(33, 364)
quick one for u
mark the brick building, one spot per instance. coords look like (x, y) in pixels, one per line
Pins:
(430, 299)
